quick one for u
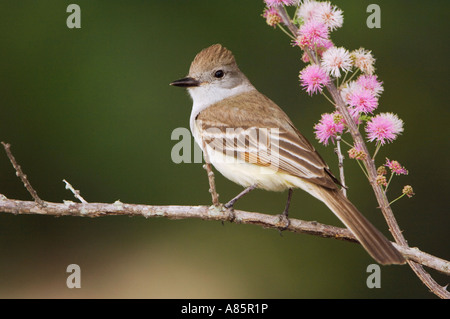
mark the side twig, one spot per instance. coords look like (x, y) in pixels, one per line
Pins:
(22, 176)
(75, 192)
(209, 171)
(341, 165)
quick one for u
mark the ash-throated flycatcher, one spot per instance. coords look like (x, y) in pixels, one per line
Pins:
(252, 142)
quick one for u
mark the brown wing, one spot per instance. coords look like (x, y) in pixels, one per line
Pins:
(253, 128)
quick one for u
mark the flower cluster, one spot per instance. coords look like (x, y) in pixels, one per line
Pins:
(316, 20)
(352, 73)
(357, 153)
(395, 169)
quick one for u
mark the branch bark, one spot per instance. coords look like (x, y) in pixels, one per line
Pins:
(217, 213)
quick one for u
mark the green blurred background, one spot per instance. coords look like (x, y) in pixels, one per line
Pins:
(94, 106)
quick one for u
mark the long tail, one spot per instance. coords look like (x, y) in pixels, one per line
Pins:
(375, 243)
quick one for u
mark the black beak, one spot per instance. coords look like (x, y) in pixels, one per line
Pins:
(186, 82)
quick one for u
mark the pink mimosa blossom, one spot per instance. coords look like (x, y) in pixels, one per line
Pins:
(329, 15)
(313, 35)
(395, 167)
(313, 78)
(362, 100)
(364, 60)
(371, 83)
(272, 17)
(335, 60)
(384, 128)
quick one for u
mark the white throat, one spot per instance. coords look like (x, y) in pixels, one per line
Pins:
(207, 95)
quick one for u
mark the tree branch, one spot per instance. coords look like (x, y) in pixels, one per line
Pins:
(69, 208)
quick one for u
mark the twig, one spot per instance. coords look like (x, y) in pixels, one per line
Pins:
(209, 171)
(341, 165)
(206, 213)
(22, 176)
(75, 192)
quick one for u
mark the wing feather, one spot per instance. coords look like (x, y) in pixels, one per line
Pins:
(252, 128)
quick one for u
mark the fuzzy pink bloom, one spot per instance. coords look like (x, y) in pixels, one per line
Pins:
(395, 167)
(313, 34)
(272, 17)
(362, 100)
(371, 83)
(329, 126)
(364, 60)
(336, 59)
(348, 89)
(313, 78)
(271, 3)
(328, 14)
(308, 9)
(384, 128)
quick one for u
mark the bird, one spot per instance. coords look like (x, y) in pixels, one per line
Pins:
(251, 141)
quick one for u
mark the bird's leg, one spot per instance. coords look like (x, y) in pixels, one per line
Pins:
(284, 215)
(241, 194)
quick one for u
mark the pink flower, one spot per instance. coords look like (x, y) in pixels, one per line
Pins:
(381, 180)
(348, 89)
(370, 82)
(313, 34)
(271, 3)
(329, 15)
(329, 126)
(308, 9)
(272, 17)
(384, 128)
(356, 153)
(313, 78)
(336, 59)
(408, 191)
(364, 60)
(362, 100)
(395, 167)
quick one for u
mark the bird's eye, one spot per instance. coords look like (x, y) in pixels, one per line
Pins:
(218, 74)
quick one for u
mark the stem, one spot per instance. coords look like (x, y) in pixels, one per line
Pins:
(389, 181)
(364, 170)
(329, 100)
(351, 77)
(285, 31)
(396, 199)
(378, 146)
(345, 76)
(348, 144)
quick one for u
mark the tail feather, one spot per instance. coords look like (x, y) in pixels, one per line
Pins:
(375, 243)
